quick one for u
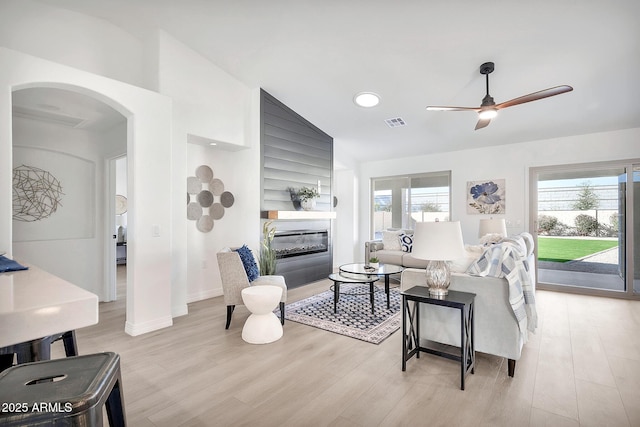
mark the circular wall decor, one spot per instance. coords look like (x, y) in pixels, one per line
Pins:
(193, 185)
(227, 199)
(194, 211)
(36, 193)
(202, 191)
(204, 173)
(121, 204)
(216, 211)
(216, 186)
(205, 224)
(205, 198)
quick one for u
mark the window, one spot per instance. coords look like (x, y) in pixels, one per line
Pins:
(401, 201)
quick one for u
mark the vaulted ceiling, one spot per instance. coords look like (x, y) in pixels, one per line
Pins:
(316, 55)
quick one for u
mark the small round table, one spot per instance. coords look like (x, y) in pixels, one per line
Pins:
(383, 270)
(262, 326)
(362, 280)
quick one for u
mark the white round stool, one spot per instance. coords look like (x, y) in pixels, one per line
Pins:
(262, 326)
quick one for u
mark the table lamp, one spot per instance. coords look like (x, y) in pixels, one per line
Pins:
(492, 226)
(438, 242)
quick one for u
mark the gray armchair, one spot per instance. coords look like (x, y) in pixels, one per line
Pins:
(234, 280)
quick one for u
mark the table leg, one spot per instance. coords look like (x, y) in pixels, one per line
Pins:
(372, 297)
(404, 333)
(336, 296)
(463, 349)
(386, 289)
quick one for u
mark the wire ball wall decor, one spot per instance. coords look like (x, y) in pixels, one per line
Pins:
(37, 194)
(209, 201)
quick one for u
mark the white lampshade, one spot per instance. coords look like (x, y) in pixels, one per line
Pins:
(492, 226)
(438, 241)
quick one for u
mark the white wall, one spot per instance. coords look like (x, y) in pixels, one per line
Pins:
(346, 245)
(73, 39)
(511, 162)
(211, 105)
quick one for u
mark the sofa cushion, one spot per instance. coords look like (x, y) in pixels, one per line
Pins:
(391, 240)
(390, 257)
(410, 261)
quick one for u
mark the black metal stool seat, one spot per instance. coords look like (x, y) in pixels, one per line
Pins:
(63, 392)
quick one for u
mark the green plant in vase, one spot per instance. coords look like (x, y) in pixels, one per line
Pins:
(267, 258)
(307, 197)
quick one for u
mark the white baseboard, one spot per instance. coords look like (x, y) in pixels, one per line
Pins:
(199, 296)
(181, 310)
(144, 327)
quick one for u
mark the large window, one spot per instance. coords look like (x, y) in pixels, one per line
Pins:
(585, 220)
(401, 201)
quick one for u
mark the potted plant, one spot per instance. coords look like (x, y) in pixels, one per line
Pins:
(307, 197)
(374, 262)
(267, 258)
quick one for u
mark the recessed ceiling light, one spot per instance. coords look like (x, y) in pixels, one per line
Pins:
(213, 143)
(366, 99)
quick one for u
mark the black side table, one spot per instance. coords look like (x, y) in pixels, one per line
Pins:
(463, 301)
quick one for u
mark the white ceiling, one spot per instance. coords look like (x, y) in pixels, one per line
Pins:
(314, 56)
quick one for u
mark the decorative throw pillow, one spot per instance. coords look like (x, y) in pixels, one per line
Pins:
(391, 240)
(461, 265)
(406, 241)
(248, 262)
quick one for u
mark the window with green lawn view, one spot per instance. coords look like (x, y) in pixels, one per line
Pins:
(398, 202)
(586, 223)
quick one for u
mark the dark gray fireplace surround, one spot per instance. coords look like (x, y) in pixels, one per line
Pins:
(295, 153)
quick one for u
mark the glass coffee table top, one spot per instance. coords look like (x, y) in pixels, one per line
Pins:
(385, 270)
(362, 268)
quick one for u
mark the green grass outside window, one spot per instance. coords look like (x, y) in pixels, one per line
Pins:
(563, 250)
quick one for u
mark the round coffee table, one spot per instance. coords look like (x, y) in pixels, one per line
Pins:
(383, 270)
(339, 279)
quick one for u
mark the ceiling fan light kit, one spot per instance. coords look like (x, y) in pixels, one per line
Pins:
(489, 109)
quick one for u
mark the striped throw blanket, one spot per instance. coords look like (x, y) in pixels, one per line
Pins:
(508, 261)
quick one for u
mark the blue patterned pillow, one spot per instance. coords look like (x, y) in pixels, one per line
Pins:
(406, 241)
(248, 262)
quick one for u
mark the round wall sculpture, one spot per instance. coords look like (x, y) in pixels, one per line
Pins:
(206, 199)
(36, 194)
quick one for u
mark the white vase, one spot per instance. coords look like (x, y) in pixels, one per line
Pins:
(308, 204)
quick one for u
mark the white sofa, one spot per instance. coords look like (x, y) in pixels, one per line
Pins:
(392, 255)
(496, 328)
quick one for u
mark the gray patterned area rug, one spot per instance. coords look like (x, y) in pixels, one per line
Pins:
(354, 318)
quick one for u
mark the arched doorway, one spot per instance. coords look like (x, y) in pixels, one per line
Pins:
(64, 138)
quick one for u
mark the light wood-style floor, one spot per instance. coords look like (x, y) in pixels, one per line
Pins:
(581, 368)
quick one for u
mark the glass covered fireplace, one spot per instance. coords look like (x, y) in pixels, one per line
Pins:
(295, 243)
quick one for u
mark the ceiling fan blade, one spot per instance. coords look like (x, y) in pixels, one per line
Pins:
(482, 123)
(431, 108)
(557, 90)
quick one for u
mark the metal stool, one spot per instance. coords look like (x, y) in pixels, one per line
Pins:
(37, 350)
(64, 392)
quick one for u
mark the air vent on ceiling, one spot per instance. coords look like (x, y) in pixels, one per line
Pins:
(395, 122)
(47, 116)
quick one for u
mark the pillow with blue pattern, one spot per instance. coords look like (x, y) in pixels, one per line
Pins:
(248, 262)
(406, 241)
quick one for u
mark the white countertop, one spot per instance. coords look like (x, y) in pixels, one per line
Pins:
(35, 304)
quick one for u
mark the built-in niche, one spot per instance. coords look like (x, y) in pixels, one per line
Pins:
(296, 154)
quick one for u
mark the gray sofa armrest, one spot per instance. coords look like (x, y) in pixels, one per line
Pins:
(370, 247)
